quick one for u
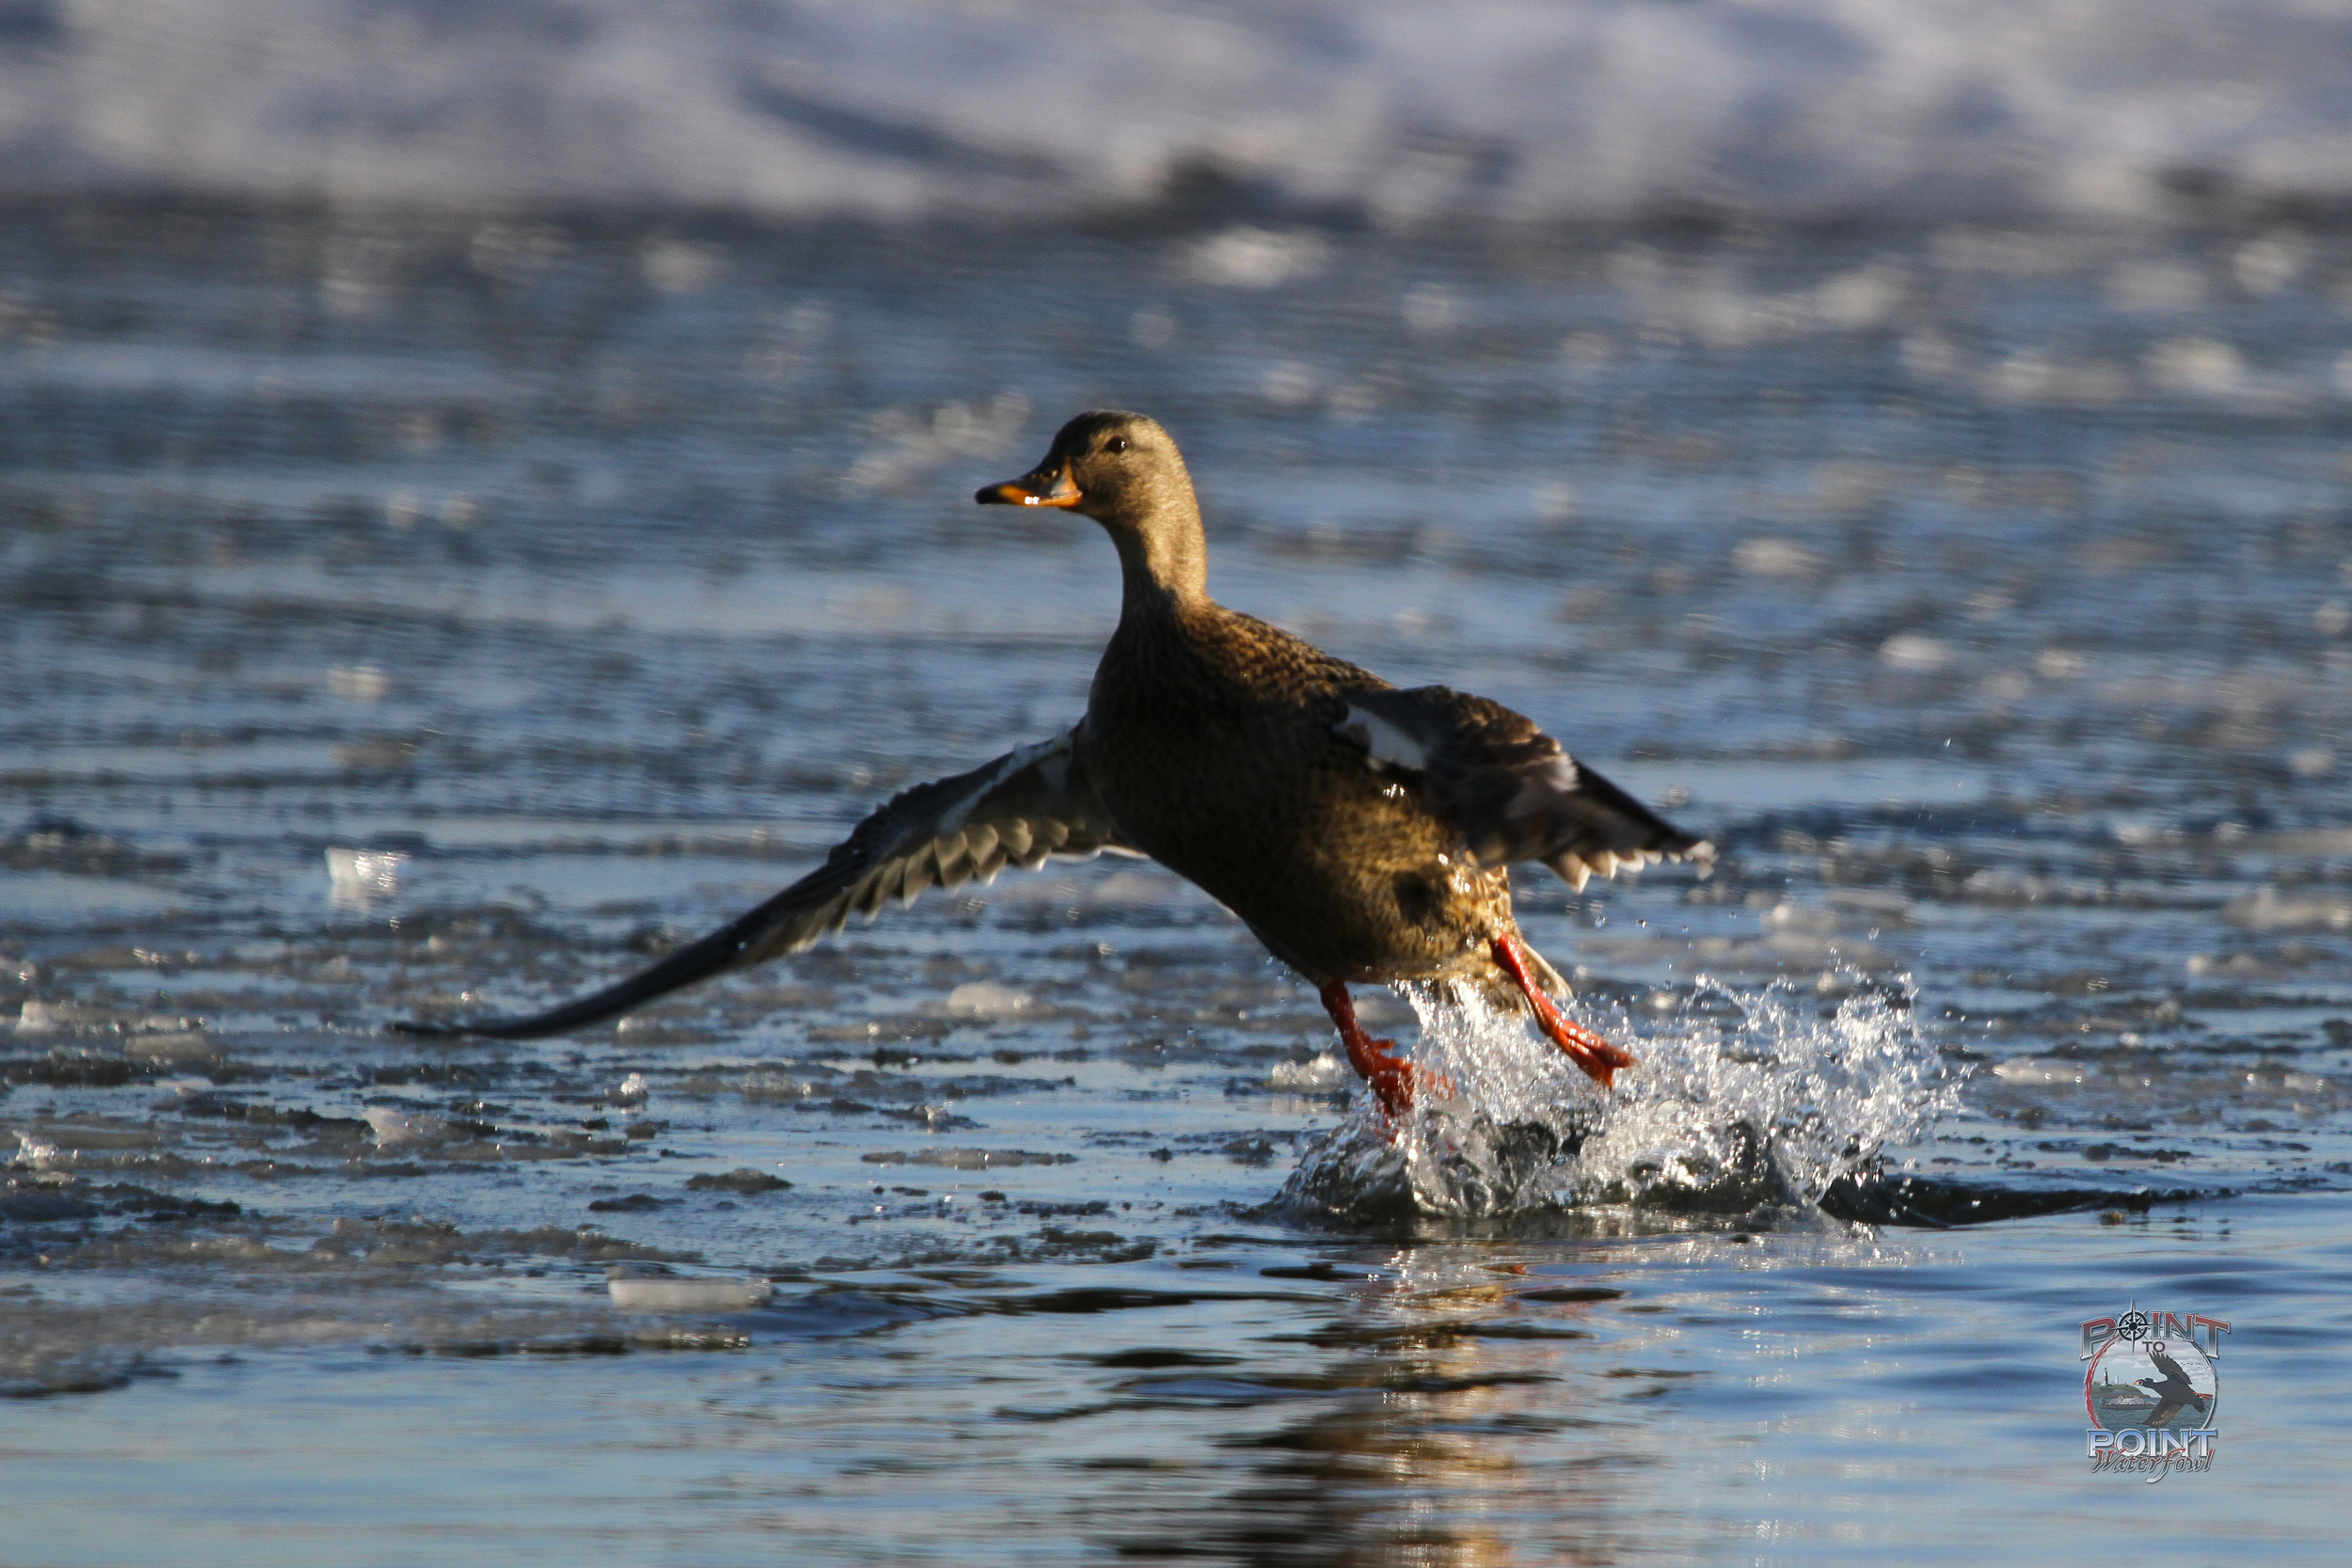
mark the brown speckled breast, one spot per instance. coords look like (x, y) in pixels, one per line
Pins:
(1210, 736)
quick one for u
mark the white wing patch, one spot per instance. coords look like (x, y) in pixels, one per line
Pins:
(1556, 777)
(1385, 745)
(1510, 789)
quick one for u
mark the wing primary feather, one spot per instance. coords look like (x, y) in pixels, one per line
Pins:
(1023, 807)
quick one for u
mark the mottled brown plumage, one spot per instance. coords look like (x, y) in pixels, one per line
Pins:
(1362, 832)
(1214, 739)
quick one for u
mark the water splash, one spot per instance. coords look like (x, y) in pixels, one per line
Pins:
(1745, 1098)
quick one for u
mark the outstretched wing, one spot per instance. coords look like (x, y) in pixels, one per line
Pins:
(1023, 809)
(1508, 786)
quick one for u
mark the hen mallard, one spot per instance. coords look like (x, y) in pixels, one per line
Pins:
(1363, 833)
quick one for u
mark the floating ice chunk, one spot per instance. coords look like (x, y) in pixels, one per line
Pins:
(1930, 356)
(84, 1017)
(1430, 307)
(680, 266)
(362, 875)
(73, 1140)
(398, 1126)
(1800, 917)
(1810, 949)
(2266, 911)
(986, 999)
(42, 1018)
(764, 1084)
(1775, 558)
(1862, 298)
(678, 1293)
(178, 1046)
(1910, 651)
(1317, 1075)
(2029, 1071)
(359, 683)
(1555, 501)
(2202, 365)
(906, 443)
(1247, 258)
(967, 1159)
(1883, 909)
(2308, 841)
(2266, 266)
(1355, 400)
(1152, 327)
(744, 1179)
(1289, 383)
(2031, 375)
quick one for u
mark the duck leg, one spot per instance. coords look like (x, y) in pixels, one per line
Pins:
(1599, 1059)
(1391, 1077)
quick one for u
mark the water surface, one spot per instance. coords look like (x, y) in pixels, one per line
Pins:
(409, 617)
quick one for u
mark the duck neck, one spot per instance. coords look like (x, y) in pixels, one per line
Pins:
(1162, 567)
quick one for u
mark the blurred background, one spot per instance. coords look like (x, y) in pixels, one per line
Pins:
(485, 494)
(1613, 111)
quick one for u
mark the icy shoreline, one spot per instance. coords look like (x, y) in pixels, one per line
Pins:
(1613, 111)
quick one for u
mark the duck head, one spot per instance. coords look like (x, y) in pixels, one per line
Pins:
(1123, 471)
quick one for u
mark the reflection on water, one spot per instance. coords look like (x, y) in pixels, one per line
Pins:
(565, 588)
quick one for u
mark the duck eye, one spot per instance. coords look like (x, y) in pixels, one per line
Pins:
(1117, 443)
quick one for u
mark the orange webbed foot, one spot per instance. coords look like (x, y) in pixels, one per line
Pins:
(1394, 1080)
(1598, 1057)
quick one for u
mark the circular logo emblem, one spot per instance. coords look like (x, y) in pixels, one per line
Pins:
(2139, 1383)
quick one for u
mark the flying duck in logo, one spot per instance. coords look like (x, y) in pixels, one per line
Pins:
(2151, 1392)
(2175, 1393)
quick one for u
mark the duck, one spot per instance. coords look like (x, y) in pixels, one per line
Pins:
(1364, 833)
(2172, 1393)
